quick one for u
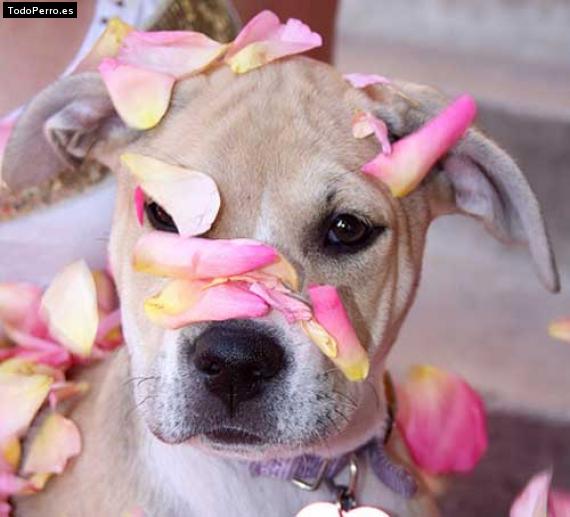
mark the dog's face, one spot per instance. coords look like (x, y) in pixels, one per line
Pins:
(278, 143)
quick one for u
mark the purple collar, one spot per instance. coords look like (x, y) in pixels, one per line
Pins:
(308, 471)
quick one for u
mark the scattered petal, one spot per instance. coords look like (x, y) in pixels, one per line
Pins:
(70, 306)
(65, 390)
(10, 453)
(364, 80)
(22, 396)
(107, 45)
(183, 302)
(165, 254)
(55, 443)
(365, 124)
(176, 53)
(19, 303)
(265, 39)
(560, 329)
(533, 501)
(141, 97)
(107, 300)
(442, 421)
(139, 205)
(190, 197)
(559, 504)
(413, 157)
(330, 313)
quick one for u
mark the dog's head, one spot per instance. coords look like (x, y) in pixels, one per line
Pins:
(278, 143)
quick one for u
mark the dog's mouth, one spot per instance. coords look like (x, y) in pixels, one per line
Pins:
(232, 436)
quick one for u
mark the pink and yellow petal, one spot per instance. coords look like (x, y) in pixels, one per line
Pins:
(56, 441)
(19, 303)
(413, 157)
(365, 124)
(10, 454)
(184, 302)
(291, 307)
(176, 53)
(141, 97)
(364, 80)
(22, 397)
(329, 312)
(164, 254)
(107, 300)
(70, 306)
(190, 197)
(442, 420)
(560, 329)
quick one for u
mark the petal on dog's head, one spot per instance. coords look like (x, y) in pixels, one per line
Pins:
(184, 302)
(533, 500)
(329, 312)
(560, 329)
(141, 97)
(165, 254)
(365, 124)
(364, 80)
(413, 156)
(56, 441)
(107, 45)
(442, 421)
(22, 397)
(265, 39)
(176, 53)
(190, 197)
(70, 307)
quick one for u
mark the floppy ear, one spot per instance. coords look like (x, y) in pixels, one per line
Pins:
(58, 129)
(479, 179)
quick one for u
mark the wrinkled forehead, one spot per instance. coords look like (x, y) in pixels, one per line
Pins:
(280, 135)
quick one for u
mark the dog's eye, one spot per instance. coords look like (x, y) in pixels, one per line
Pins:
(349, 233)
(158, 218)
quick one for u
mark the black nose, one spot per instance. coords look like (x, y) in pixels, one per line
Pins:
(237, 361)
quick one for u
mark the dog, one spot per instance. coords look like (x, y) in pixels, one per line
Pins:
(157, 435)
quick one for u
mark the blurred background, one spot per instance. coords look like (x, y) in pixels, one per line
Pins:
(481, 311)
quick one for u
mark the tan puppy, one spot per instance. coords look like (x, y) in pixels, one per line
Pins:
(158, 433)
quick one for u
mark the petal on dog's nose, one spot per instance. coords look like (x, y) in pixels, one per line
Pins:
(176, 53)
(414, 156)
(70, 307)
(141, 97)
(442, 421)
(185, 302)
(164, 254)
(265, 39)
(351, 357)
(190, 197)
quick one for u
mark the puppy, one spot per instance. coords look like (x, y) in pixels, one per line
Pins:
(278, 143)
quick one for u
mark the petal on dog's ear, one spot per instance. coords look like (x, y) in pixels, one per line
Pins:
(560, 329)
(141, 97)
(165, 254)
(442, 421)
(185, 302)
(56, 441)
(190, 197)
(107, 45)
(265, 39)
(364, 80)
(176, 53)
(365, 124)
(329, 312)
(413, 157)
(22, 397)
(70, 307)
(533, 500)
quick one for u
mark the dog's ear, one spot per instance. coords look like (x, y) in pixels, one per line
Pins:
(58, 128)
(477, 178)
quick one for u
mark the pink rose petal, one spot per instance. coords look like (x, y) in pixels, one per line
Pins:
(365, 124)
(190, 197)
(164, 254)
(364, 80)
(265, 39)
(139, 205)
(413, 157)
(329, 312)
(442, 421)
(292, 308)
(175, 53)
(141, 97)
